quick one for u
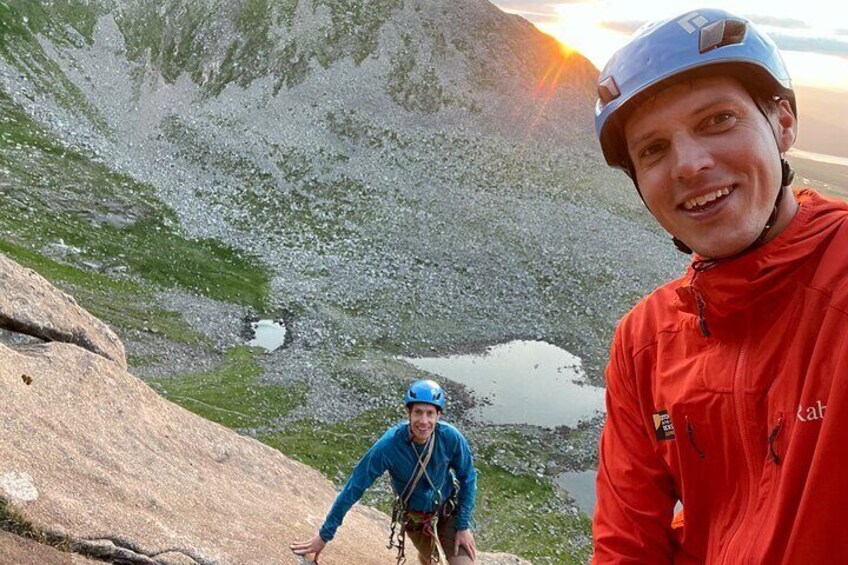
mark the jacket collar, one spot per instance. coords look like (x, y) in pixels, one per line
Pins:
(766, 272)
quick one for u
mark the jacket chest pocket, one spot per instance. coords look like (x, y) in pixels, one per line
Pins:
(706, 453)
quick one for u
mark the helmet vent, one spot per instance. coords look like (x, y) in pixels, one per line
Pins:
(722, 33)
(608, 90)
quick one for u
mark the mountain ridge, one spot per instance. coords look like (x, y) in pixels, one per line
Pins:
(326, 163)
(426, 185)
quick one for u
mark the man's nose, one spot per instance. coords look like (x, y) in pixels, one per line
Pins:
(691, 156)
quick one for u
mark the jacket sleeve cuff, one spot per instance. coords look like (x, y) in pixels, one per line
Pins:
(326, 534)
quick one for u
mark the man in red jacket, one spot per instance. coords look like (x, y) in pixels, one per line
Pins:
(726, 388)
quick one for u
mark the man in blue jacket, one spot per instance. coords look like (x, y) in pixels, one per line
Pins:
(433, 476)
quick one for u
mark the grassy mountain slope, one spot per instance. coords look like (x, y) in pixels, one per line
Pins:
(390, 176)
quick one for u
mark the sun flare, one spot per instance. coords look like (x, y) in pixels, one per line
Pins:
(581, 27)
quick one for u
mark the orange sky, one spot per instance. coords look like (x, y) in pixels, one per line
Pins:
(815, 50)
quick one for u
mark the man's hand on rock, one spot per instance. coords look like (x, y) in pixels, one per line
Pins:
(314, 545)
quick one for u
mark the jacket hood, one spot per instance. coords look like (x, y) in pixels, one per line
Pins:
(728, 287)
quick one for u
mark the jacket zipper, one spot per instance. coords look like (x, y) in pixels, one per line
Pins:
(690, 431)
(739, 407)
(702, 320)
(775, 431)
(700, 304)
(774, 466)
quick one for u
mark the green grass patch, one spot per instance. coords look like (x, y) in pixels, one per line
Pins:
(64, 22)
(185, 41)
(22, 19)
(354, 29)
(136, 361)
(520, 515)
(166, 257)
(60, 272)
(231, 394)
(151, 248)
(52, 192)
(334, 449)
(135, 313)
(123, 304)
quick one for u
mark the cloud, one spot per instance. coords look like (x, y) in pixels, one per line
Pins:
(771, 21)
(833, 45)
(630, 26)
(780, 28)
(623, 26)
(823, 45)
(534, 4)
(531, 10)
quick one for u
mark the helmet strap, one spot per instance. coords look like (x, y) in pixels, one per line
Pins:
(771, 219)
(682, 247)
(787, 173)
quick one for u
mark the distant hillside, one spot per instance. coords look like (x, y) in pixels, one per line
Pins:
(96, 465)
(412, 173)
(822, 121)
(386, 176)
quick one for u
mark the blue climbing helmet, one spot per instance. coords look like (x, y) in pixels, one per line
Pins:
(426, 391)
(707, 41)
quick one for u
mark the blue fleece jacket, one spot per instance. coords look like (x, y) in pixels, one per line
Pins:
(395, 452)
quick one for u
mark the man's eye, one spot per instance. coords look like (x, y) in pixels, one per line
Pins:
(651, 150)
(721, 118)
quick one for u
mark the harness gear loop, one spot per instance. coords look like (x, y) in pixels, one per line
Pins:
(400, 516)
(428, 524)
(397, 538)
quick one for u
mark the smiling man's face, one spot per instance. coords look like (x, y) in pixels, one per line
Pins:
(422, 421)
(708, 163)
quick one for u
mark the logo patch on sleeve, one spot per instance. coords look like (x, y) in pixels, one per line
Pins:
(663, 426)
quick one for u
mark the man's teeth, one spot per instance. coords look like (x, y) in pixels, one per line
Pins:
(701, 200)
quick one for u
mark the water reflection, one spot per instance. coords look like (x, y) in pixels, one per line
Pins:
(523, 382)
(581, 486)
(268, 334)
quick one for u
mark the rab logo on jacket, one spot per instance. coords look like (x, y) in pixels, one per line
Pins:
(810, 413)
(663, 426)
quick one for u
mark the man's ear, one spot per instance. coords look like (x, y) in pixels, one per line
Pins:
(787, 125)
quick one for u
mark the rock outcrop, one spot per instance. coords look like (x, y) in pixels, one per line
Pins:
(92, 453)
(31, 305)
(91, 456)
(20, 551)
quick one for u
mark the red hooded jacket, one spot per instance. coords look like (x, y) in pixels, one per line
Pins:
(747, 425)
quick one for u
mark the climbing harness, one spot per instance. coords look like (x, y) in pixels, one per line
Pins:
(427, 523)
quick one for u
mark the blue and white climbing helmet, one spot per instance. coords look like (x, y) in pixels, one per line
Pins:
(708, 41)
(426, 391)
